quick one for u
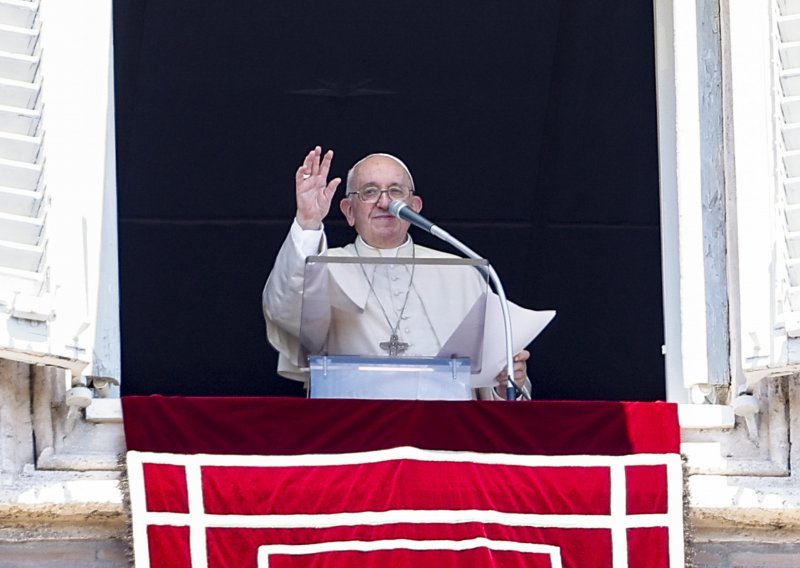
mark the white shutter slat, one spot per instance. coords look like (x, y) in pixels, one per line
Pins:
(794, 297)
(789, 28)
(18, 67)
(790, 106)
(792, 187)
(16, 120)
(20, 175)
(19, 13)
(790, 83)
(20, 148)
(21, 256)
(20, 201)
(791, 161)
(19, 93)
(794, 272)
(21, 281)
(18, 40)
(790, 55)
(791, 136)
(793, 218)
(21, 229)
(789, 7)
(793, 243)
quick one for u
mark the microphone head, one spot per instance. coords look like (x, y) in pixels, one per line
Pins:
(396, 206)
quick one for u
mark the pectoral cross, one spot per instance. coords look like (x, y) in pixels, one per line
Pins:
(394, 346)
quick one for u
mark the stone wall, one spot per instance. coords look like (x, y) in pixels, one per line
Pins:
(77, 553)
(744, 554)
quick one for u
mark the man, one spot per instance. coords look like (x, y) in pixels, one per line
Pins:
(372, 183)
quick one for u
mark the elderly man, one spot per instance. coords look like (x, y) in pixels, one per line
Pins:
(372, 183)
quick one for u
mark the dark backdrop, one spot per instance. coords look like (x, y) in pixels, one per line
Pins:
(529, 127)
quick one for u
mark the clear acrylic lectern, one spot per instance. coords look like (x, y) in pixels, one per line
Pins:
(393, 328)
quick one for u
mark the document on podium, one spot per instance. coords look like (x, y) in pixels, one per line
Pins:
(526, 324)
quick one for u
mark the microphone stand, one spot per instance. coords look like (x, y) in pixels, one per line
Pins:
(401, 210)
(511, 389)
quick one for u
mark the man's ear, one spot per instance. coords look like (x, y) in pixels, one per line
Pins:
(347, 208)
(416, 203)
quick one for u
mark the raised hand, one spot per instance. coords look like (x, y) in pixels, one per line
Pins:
(314, 192)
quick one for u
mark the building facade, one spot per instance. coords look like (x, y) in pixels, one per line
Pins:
(728, 88)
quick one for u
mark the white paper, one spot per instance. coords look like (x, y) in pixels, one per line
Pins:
(525, 326)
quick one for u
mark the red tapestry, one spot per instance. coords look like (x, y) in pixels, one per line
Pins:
(284, 483)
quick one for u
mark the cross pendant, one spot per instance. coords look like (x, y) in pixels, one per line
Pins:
(394, 346)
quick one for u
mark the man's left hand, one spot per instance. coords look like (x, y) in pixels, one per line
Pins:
(520, 372)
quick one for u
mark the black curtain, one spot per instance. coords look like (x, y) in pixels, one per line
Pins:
(530, 128)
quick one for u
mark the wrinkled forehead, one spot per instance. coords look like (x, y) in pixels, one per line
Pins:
(351, 175)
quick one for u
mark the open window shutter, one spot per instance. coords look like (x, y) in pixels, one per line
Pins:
(22, 210)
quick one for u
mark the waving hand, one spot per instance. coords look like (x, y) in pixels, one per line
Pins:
(314, 191)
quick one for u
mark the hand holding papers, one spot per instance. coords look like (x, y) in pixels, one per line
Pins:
(526, 324)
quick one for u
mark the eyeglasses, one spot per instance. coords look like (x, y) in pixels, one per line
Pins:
(373, 194)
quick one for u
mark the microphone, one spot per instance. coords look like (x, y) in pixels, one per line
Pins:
(401, 210)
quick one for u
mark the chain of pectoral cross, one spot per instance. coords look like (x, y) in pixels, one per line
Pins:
(394, 346)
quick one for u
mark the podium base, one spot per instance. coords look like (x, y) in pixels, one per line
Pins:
(396, 378)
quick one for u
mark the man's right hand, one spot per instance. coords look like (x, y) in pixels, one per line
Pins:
(314, 192)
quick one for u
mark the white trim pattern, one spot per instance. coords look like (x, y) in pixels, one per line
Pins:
(264, 552)
(618, 521)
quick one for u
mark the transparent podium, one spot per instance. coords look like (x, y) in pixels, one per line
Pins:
(393, 328)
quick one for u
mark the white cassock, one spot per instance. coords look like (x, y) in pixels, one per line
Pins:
(423, 302)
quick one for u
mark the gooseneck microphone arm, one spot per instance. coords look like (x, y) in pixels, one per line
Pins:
(401, 210)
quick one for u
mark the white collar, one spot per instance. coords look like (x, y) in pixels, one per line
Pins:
(369, 250)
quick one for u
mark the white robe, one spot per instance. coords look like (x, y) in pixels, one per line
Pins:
(362, 316)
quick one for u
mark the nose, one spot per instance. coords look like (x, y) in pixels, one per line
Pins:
(384, 200)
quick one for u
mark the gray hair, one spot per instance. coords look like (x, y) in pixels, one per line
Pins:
(351, 173)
